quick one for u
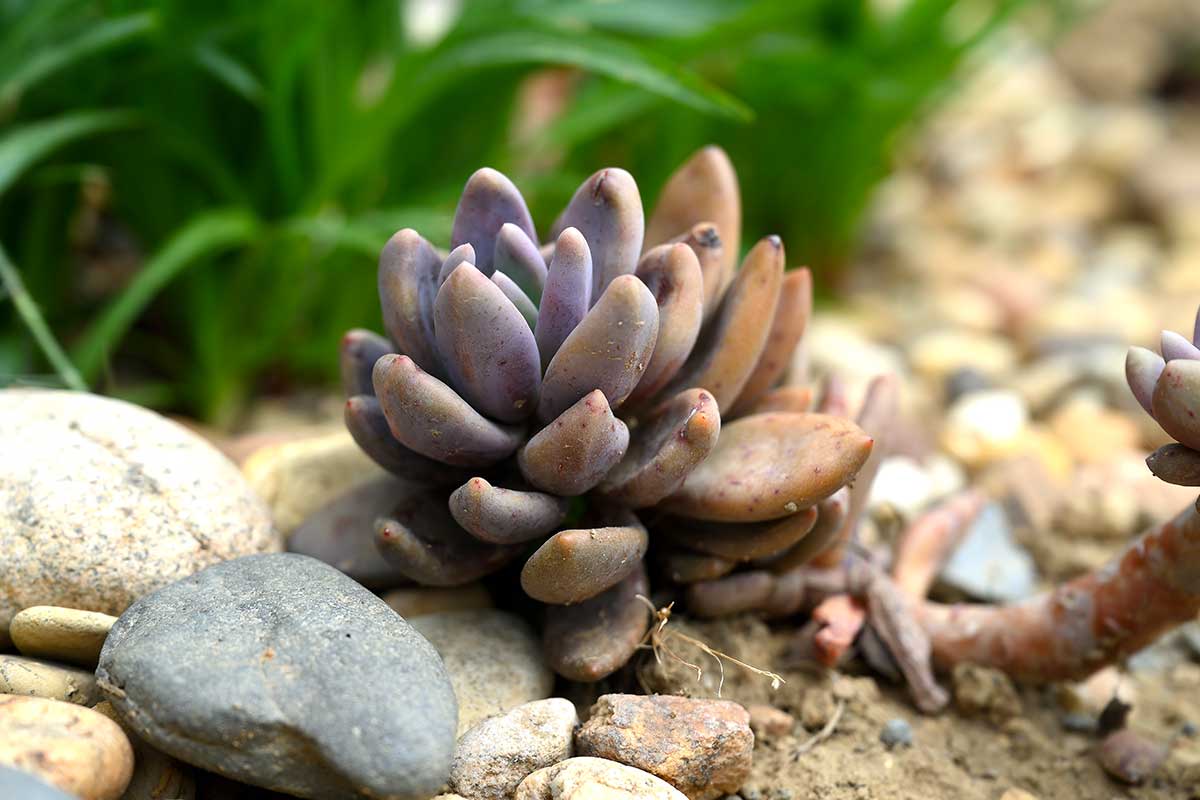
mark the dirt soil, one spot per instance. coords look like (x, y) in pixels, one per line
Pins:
(952, 756)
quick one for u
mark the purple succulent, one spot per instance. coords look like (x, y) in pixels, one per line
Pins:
(516, 376)
(1168, 387)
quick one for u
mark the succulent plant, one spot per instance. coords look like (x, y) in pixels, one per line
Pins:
(1168, 387)
(626, 362)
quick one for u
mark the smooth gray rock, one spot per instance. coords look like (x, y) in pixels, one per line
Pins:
(22, 786)
(989, 564)
(280, 671)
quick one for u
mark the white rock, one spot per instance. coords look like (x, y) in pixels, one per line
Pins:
(102, 502)
(497, 754)
(586, 778)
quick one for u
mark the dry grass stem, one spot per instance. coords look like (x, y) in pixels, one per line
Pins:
(656, 639)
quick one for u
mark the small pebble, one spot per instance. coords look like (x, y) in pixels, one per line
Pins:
(76, 749)
(494, 757)
(985, 691)
(1129, 756)
(583, 778)
(61, 634)
(1017, 794)
(816, 709)
(709, 741)
(989, 564)
(1077, 722)
(766, 720)
(34, 678)
(21, 785)
(896, 733)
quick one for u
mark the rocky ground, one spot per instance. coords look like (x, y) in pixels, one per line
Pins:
(1045, 220)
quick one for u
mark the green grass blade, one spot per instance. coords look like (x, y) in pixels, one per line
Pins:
(602, 55)
(96, 39)
(230, 72)
(202, 236)
(32, 317)
(22, 147)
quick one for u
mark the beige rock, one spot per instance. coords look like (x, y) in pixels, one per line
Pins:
(76, 749)
(701, 747)
(817, 708)
(1017, 794)
(413, 601)
(296, 478)
(62, 634)
(983, 427)
(594, 779)
(156, 776)
(938, 353)
(27, 676)
(1093, 433)
(497, 754)
(494, 660)
(767, 720)
(102, 502)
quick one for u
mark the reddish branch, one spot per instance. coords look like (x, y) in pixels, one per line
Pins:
(1086, 623)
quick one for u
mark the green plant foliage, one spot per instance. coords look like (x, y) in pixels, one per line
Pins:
(244, 162)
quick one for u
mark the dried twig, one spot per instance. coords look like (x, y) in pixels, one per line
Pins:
(656, 639)
(822, 734)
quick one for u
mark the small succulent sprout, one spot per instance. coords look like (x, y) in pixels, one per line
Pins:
(1168, 388)
(549, 403)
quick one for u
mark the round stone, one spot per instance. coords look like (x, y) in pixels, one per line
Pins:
(279, 671)
(76, 749)
(102, 502)
(34, 678)
(494, 660)
(61, 634)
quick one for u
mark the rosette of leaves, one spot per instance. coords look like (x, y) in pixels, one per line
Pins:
(1168, 387)
(564, 403)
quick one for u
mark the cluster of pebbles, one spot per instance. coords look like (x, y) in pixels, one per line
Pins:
(167, 648)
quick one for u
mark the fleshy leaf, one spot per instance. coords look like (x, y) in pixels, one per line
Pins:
(665, 450)
(1176, 346)
(567, 294)
(831, 516)
(428, 416)
(408, 284)
(791, 318)
(672, 275)
(421, 539)
(574, 565)
(505, 516)
(739, 541)
(705, 240)
(593, 639)
(369, 428)
(488, 201)
(575, 451)
(793, 399)
(486, 346)
(342, 533)
(463, 254)
(1175, 463)
(1176, 401)
(609, 350)
(703, 189)
(518, 257)
(607, 210)
(686, 567)
(770, 466)
(518, 298)
(729, 347)
(359, 351)
(1142, 368)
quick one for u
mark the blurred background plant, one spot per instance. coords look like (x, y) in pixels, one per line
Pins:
(193, 195)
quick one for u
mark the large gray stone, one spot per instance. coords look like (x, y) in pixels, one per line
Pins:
(278, 670)
(102, 502)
